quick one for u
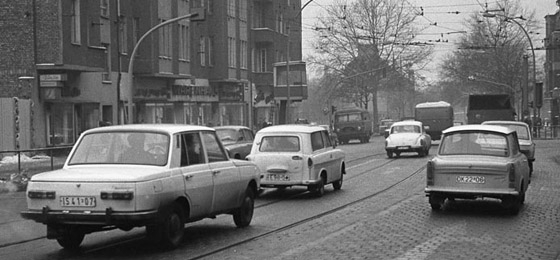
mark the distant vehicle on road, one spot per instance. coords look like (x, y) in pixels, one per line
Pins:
(524, 136)
(384, 126)
(407, 136)
(478, 161)
(236, 139)
(483, 107)
(436, 117)
(156, 176)
(351, 124)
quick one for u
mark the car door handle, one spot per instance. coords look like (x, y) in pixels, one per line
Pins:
(215, 172)
(188, 177)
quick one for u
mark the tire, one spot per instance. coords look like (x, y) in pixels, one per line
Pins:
(436, 202)
(244, 214)
(319, 188)
(422, 152)
(71, 239)
(337, 185)
(170, 231)
(389, 154)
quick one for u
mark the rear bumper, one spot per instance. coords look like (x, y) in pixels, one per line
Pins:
(447, 192)
(272, 184)
(411, 148)
(106, 218)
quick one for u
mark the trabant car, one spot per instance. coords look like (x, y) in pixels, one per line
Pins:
(478, 161)
(407, 136)
(236, 139)
(155, 176)
(524, 136)
(298, 155)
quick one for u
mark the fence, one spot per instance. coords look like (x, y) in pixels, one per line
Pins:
(32, 161)
(546, 132)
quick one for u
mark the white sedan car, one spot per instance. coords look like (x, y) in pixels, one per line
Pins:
(407, 136)
(157, 176)
(298, 155)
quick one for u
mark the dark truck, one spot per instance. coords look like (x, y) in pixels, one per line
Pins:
(436, 117)
(486, 107)
(352, 123)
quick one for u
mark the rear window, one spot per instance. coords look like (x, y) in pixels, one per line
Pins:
(405, 129)
(280, 144)
(474, 143)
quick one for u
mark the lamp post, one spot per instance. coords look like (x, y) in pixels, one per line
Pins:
(133, 55)
(288, 101)
(525, 93)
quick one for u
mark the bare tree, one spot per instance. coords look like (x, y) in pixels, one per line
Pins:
(364, 43)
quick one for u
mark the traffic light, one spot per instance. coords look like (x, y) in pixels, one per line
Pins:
(531, 103)
(333, 109)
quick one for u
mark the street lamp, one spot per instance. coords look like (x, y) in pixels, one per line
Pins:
(507, 19)
(133, 55)
(288, 101)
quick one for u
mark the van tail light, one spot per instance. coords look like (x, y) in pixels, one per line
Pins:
(117, 195)
(511, 177)
(41, 194)
(309, 162)
(430, 173)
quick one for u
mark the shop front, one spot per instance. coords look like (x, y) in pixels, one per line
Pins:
(232, 105)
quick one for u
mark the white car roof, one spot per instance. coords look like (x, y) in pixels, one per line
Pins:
(434, 104)
(473, 127)
(167, 128)
(407, 122)
(291, 129)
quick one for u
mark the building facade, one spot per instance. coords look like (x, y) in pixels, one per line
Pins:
(73, 60)
(551, 91)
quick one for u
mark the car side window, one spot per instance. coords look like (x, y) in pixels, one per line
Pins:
(214, 150)
(317, 141)
(327, 139)
(514, 144)
(248, 135)
(240, 136)
(191, 149)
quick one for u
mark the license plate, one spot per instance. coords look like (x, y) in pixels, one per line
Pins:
(403, 147)
(278, 177)
(470, 179)
(75, 201)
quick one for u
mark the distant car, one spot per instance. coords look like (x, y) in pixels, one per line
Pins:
(384, 127)
(302, 121)
(478, 161)
(332, 134)
(298, 155)
(236, 139)
(524, 136)
(158, 176)
(407, 136)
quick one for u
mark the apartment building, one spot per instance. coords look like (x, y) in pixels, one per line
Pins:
(71, 60)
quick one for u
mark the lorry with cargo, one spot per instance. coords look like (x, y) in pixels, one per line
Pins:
(436, 117)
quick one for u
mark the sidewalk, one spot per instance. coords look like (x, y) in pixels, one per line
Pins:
(13, 228)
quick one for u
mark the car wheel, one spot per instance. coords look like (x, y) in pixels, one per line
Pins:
(427, 150)
(389, 154)
(319, 188)
(337, 185)
(170, 232)
(422, 152)
(71, 239)
(244, 214)
(530, 169)
(436, 201)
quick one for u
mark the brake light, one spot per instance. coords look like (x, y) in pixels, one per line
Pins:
(117, 195)
(430, 173)
(41, 194)
(511, 177)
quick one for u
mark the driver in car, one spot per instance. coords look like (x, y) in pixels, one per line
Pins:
(135, 153)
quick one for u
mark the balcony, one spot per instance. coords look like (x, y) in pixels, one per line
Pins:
(264, 35)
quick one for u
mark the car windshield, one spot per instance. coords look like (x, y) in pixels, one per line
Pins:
(227, 135)
(405, 129)
(349, 117)
(474, 143)
(279, 144)
(145, 148)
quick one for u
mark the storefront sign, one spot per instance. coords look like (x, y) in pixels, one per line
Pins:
(231, 93)
(150, 93)
(53, 77)
(51, 84)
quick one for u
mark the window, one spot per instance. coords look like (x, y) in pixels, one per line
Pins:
(202, 51)
(165, 41)
(280, 23)
(104, 5)
(211, 51)
(243, 54)
(184, 42)
(243, 10)
(123, 36)
(213, 148)
(279, 144)
(317, 141)
(260, 60)
(232, 47)
(135, 32)
(75, 22)
(191, 149)
(231, 8)
(106, 76)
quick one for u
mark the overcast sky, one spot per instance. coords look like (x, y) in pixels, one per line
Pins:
(442, 12)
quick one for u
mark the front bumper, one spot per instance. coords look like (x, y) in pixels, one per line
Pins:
(84, 217)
